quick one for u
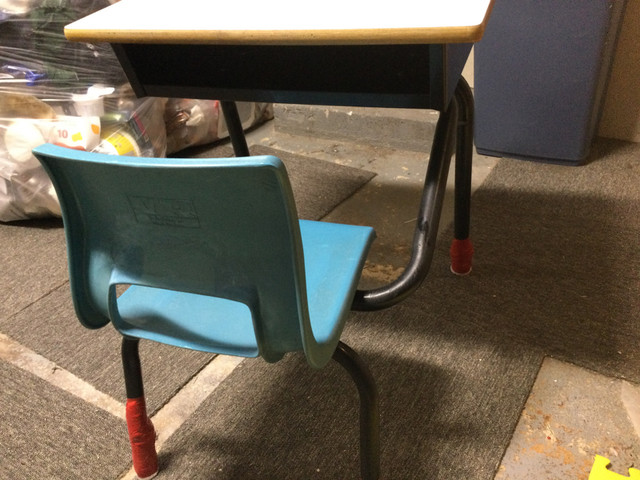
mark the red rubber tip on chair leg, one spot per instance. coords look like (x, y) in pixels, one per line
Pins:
(461, 253)
(142, 436)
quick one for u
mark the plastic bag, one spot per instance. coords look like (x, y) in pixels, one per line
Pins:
(77, 95)
(25, 189)
(198, 122)
(133, 127)
(36, 59)
(72, 94)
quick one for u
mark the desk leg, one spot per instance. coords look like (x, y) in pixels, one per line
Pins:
(426, 230)
(461, 249)
(234, 125)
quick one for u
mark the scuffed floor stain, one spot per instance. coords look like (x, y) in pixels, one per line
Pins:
(381, 273)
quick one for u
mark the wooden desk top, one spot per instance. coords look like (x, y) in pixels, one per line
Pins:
(285, 22)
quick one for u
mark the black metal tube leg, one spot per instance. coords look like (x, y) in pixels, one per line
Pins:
(464, 157)
(426, 230)
(461, 248)
(234, 125)
(142, 435)
(369, 410)
(132, 369)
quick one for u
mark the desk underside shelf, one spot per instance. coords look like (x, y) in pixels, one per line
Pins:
(396, 76)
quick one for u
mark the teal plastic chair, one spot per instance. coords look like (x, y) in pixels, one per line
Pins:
(216, 260)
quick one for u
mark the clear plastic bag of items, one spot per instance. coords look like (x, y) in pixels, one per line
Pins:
(77, 95)
(72, 94)
(192, 122)
(26, 122)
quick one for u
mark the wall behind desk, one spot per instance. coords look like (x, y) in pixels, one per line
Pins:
(621, 114)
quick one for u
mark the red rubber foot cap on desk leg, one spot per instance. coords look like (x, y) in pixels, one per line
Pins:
(461, 253)
(142, 436)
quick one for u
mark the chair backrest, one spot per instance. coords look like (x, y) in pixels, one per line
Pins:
(220, 227)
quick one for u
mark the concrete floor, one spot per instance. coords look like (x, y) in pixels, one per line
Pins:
(568, 408)
(572, 411)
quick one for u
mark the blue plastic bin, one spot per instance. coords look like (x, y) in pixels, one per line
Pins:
(540, 77)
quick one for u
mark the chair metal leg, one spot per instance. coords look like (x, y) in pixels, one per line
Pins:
(142, 435)
(369, 410)
(234, 125)
(461, 249)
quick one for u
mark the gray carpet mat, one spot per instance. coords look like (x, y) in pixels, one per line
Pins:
(50, 328)
(318, 186)
(445, 401)
(50, 434)
(558, 264)
(34, 260)
(555, 273)
(38, 313)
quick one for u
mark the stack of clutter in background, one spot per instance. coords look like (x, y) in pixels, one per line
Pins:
(76, 95)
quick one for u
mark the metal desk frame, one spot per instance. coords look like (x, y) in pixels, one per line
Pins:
(454, 130)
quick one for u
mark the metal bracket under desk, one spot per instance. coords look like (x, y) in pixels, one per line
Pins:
(395, 76)
(401, 76)
(454, 130)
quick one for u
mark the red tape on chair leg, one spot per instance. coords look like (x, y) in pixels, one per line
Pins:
(461, 253)
(142, 437)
